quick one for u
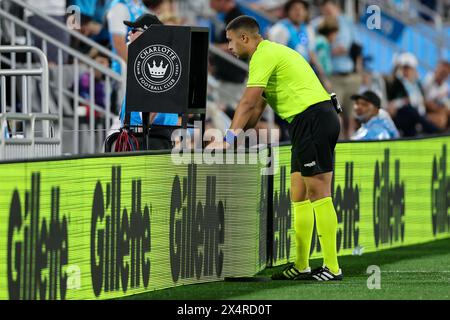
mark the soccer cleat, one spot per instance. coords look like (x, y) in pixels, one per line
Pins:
(324, 274)
(290, 272)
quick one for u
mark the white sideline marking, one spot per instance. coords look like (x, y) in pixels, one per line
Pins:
(414, 271)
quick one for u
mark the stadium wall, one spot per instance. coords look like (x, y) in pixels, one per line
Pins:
(101, 228)
(108, 226)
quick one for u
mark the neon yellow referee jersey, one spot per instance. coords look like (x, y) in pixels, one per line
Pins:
(291, 85)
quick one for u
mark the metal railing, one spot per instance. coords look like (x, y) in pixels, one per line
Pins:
(27, 143)
(414, 11)
(57, 24)
(232, 97)
(65, 98)
(191, 8)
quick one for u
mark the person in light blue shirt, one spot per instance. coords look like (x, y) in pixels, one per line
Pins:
(122, 10)
(160, 119)
(87, 7)
(294, 31)
(376, 124)
(94, 9)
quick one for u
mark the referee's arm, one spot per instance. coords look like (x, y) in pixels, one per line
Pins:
(249, 109)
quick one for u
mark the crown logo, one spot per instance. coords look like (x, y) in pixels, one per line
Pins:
(157, 72)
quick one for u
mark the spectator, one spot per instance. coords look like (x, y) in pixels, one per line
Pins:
(344, 79)
(293, 31)
(122, 10)
(406, 102)
(99, 82)
(232, 76)
(101, 9)
(56, 9)
(155, 6)
(93, 20)
(87, 7)
(194, 12)
(103, 37)
(171, 19)
(376, 124)
(437, 95)
(327, 33)
(272, 8)
(93, 24)
(89, 27)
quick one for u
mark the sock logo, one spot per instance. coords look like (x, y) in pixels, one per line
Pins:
(197, 231)
(388, 203)
(440, 196)
(120, 241)
(346, 202)
(37, 248)
(282, 219)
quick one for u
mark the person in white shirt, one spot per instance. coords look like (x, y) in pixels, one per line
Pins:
(406, 100)
(122, 10)
(272, 8)
(437, 94)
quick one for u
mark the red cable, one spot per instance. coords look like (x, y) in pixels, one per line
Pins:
(124, 142)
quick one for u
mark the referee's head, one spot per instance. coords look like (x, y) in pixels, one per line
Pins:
(243, 34)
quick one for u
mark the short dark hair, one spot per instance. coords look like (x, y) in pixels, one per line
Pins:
(244, 22)
(288, 5)
(328, 26)
(101, 54)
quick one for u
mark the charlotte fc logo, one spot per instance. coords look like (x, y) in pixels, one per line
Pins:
(157, 72)
(157, 68)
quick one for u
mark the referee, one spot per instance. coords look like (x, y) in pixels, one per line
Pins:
(283, 78)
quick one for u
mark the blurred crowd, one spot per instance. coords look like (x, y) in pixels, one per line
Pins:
(411, 105)
(375, 106)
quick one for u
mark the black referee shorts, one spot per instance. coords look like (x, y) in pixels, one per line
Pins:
(314, 134)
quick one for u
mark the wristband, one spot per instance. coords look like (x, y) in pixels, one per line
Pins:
(229, 137)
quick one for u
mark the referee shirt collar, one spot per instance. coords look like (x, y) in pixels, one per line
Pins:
(262, 44)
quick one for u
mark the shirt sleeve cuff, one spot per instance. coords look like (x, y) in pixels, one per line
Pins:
(251, 85)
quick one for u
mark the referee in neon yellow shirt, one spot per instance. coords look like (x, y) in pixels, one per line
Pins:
(283, 78)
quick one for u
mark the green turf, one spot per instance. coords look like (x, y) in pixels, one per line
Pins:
(414, 272)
